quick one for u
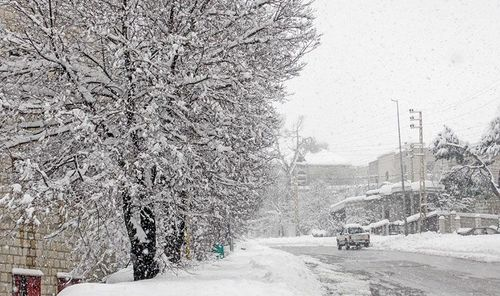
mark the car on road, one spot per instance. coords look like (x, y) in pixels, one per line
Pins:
(352, 235)
(319, 233)
(478, 231)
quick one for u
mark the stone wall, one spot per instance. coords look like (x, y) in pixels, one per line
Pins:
(451, 221)
(26, 248)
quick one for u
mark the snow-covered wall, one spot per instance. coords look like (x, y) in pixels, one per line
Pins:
(27, 249)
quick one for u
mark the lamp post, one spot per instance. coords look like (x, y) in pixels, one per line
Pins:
(402, 169)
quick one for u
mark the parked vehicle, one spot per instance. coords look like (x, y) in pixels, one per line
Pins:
(478, 231)
(319, 233)
(352, 235)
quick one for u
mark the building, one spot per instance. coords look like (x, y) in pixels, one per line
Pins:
(30, 263)
(387, 168)
(328, 168)
(386, 204)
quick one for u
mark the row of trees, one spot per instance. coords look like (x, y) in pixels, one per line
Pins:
(145, 124)
(280, 209)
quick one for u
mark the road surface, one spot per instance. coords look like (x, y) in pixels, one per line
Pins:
(376, 272)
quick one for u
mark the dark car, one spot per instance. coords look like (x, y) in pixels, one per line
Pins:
(478, 231)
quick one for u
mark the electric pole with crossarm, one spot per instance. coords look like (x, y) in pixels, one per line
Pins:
(423, 193)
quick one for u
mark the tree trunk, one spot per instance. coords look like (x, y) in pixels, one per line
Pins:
(175, 238)
(142, 249)
(175, 241)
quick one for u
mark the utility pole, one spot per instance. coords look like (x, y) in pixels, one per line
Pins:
(411, 157)
(423, 193)
(402, 169)
(412, 169)
(296, 202)
(296, 184)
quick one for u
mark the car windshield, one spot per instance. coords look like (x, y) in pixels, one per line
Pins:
(354, 230)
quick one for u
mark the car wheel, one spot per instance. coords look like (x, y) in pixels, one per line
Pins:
(347, 247)
(367, 245)
(339, 247)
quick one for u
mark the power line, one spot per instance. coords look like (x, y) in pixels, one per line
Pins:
(466, 100)
(466, 113)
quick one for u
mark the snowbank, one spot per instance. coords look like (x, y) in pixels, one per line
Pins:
(298, 241)
(336, 280)
(252, 270)
(475, 247)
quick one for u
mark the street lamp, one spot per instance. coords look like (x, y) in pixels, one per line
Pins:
(402, 169)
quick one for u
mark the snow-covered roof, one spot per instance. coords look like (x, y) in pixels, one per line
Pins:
(379, 223)
(397, 187)
(416, 216)
(429, 185)
(28, 272)
(352, 225)
(372, 192)
(474, 215)
(385, 190)
(373, 197)
(341, 204)
(325, 157)
(388, 188)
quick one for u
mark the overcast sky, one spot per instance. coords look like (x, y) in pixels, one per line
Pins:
(442, 57)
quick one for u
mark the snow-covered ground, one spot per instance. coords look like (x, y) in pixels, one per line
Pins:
(475, 247)
(337, 281)
(298, 241)
(252, 270)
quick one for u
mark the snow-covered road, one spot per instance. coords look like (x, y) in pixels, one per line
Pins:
(389, 272)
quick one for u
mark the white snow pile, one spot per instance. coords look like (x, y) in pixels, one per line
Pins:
(484, 248)
(337, 281)
(252, 270)
(298, 241)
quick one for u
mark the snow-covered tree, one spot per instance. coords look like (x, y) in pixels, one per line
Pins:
(471, 176)
(279, 196)
(315, 210)
(156, 115)
(276, 210)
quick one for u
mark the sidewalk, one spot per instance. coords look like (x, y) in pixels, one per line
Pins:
(252, 270)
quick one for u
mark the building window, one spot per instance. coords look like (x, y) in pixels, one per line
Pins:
(65, 280)
(26, 282)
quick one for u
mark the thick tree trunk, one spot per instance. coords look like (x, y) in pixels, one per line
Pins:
(142, 241)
